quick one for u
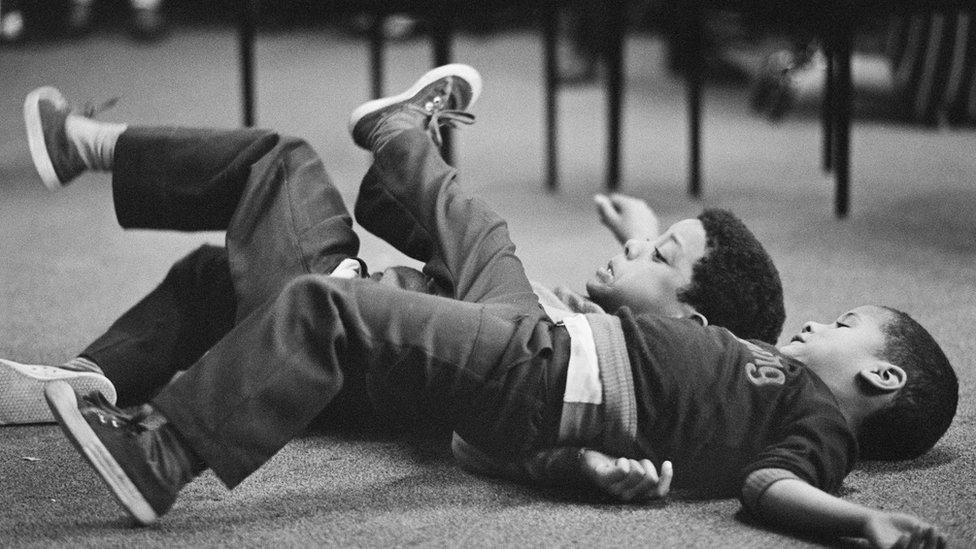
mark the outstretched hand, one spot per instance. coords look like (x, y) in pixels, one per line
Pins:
(626, 479)
(901, 531)
(626, 217)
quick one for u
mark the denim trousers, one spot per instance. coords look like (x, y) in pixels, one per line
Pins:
(282, 217)
(283, 339)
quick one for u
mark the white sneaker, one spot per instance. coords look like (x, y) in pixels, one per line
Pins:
(22, 390)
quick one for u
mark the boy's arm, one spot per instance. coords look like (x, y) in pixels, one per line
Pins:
(627, 217)
(782, 499)
(623, 478)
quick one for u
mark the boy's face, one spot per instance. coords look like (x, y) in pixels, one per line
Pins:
(649, 274)
(837, 352)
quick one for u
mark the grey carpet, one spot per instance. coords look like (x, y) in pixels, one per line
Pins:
(66, 270)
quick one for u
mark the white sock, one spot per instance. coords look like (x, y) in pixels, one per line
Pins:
(94, 140)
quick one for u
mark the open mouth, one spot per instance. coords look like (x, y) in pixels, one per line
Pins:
(605, 274)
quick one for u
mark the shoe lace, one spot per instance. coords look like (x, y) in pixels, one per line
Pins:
(90, 109)
(164, 451)
(133, 419)
(448, 118)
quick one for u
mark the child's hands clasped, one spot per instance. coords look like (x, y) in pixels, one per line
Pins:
(901, 531)
(626, 479)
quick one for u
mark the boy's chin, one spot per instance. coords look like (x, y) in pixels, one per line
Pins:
(790, 349)
(596, 291)
(602, 298)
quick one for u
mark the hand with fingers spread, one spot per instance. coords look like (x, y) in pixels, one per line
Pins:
(901, 531)
(626, 479)
(627, 217)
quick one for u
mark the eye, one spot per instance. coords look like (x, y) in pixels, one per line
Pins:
(841, 324)
(658, 257)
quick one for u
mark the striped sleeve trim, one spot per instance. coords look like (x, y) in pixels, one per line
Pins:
(619, 401)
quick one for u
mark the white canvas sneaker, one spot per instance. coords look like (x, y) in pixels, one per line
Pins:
(22, 390)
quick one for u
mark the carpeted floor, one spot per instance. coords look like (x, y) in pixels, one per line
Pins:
(67, 270)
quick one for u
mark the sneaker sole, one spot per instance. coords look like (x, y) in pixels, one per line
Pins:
(64, 405)
(35, 134)
(467, 72)
(22, 390)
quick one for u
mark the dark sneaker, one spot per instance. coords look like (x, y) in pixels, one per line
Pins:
(142, 460)
(439, 97)
(56, 159)
(22, 390)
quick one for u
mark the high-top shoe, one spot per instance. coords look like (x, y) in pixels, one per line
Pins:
(142, 458)
(440, 97)
(55, 157)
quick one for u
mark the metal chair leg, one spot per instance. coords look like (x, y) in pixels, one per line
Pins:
(842, 99)
(827, 112)
(614, 55)
(245, 37)
(376, 43)
(549, 31)
(695, 83)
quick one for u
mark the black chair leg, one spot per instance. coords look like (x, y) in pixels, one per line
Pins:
(549, 31)
(842, 121)
(246, 49)
(827, 112)
(693, 44)
(376, 43)
(614, 55)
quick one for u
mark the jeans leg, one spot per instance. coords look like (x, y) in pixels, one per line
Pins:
(411, 198)
(170, 328)
(183, 179)
(291, 221)
(282, 214)
(477, 368)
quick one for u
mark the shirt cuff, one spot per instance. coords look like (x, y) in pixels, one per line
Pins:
(758, 482)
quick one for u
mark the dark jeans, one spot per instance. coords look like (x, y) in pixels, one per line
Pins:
(283, 218)
(488, 365)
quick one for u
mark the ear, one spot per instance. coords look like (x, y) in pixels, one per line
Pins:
(884, 376)
(698, 317)
(686, 310)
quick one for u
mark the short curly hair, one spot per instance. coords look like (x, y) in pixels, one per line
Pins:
(924, 407)
(735, 284)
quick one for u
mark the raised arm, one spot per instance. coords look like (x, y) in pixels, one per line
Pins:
(627, 217)
(780, 498)
(626, 479)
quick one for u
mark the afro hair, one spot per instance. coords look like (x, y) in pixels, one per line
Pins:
(735, 284)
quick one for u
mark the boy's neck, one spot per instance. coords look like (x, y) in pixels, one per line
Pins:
(856, 406)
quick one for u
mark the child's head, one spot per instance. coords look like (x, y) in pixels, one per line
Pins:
(888, 372)
(711, 265)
